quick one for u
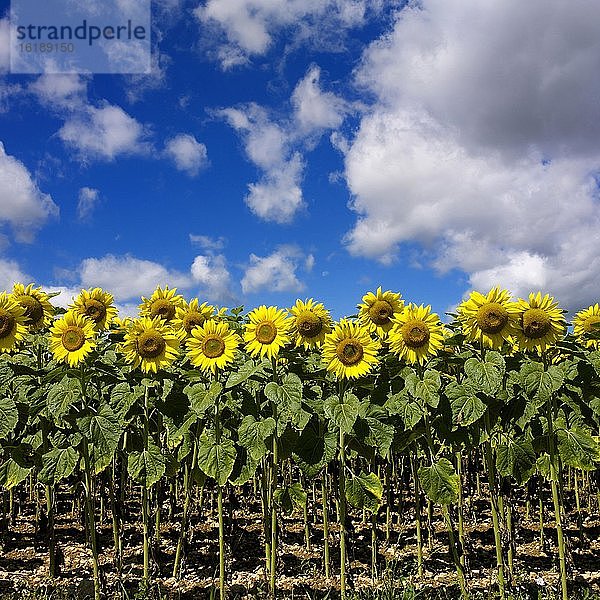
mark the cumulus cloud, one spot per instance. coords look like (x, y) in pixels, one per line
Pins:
(11, 273)
(315, 109)
(187, 153)
(277, 148)
(127, 277)
(482, 144)
(249, 27)
(103, 133)
(208, 243)
(22, 205)
(60, 91)
(275, 272)
(88, 199)
(210, 272)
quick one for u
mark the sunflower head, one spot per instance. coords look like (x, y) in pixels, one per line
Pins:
(267, 331)
(192, 315)
(490, 319)
(212, 346)
(540, 322)
(150, 344)
(587, 323)
(311, 322)
(97, 306)
(12, 323)
(38, 310)
(349, 351)
(72, 338)
(162, 304)
(417, 334)
(378, 310)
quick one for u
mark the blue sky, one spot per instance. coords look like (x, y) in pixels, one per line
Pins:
(291, 149)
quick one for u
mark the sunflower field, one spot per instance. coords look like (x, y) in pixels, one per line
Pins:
(388, 437)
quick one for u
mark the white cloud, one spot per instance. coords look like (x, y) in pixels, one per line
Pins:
(187, 153)
(103, 133)
(208, 243)
(212, 274)
(314, 108)
(60, 91)
(88, 199)
(11, 273)
(250, 26)
(275, 272)
(22, 205)
(482, 144)
(127, 277)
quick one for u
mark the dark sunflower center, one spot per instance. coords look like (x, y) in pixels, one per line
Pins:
(151, 344)
(381, 312)
(213, 346)
(191, 320)
(492, 318)
(95, 310)
(7, 323)
(536, 323)
(309, 325)
(349, 352)
(73, 338)
(162, 308)
(34, 311)
(266, 332)
(415, 333)
(589, 323)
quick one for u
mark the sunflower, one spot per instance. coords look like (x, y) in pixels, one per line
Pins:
(267, 331)
(311, 322)
(489, 319)
(72, 338)
(586, 322)
(212, 346)
(38, 310)
(540, 322)
(378, 311)
(349, 350)
(96, 305)
(150, 344)
(417, 334)
(162, 303)
(12, 322)
(190, 316)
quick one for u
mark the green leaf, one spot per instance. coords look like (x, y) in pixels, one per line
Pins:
(103, 431)
(58, 464)
(146, 466)
(17, 467)
(427, 389)
(485, 376)
(290, 496)
(364, 490)
(577, 448)
(343, 414)
(252, 435)
(201, 398)
(122, 398)
(314, 448)
(409, 410)
(440, 482)
(540, 384)
(466, 406)
(9, 416)
(216, 460)
(516, 457)
(62, 395)
(247, 370)
(288, 395)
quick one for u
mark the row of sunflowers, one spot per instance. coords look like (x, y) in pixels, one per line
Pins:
(169, 325)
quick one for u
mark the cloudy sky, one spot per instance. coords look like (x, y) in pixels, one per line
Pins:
(315, 148)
